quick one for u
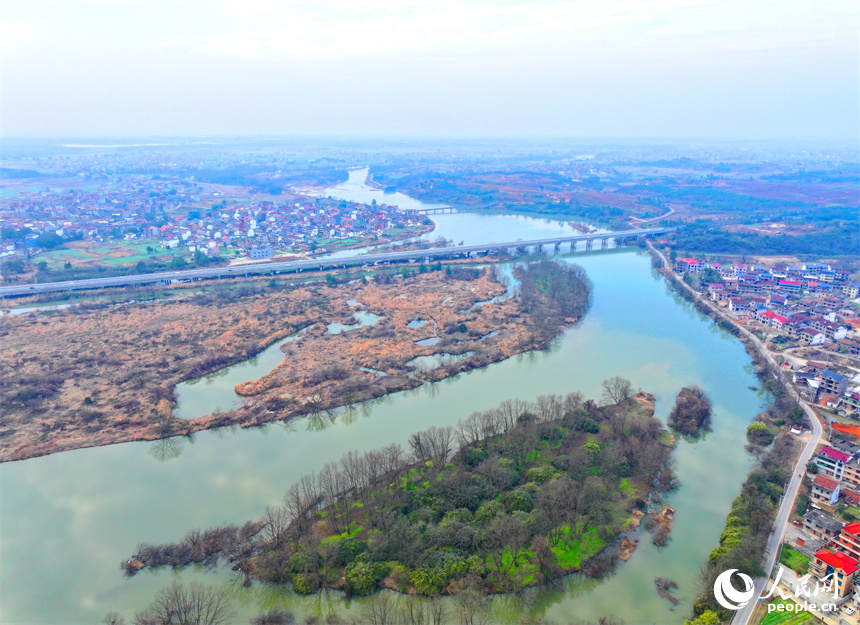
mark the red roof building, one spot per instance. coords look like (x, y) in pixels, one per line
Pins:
(838, 567)
(838, 560)
(825, 482)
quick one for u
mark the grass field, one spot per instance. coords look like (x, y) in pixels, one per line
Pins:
(110, 254)
(794, 560)
(578, 548)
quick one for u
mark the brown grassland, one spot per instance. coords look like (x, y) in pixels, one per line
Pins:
(97, 375)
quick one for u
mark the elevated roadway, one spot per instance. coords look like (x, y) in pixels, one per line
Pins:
(321, 263)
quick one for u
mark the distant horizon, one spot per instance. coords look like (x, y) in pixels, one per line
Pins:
(545, 140)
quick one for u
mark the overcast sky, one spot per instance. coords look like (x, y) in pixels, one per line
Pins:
(638, 69)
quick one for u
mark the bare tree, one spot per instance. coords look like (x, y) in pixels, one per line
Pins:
(277, 521)
(433, 444)
(438, 613)
(617, 390)
(379, 609)
(413, 611)
(113, 618)
(193, 604)
(274, 616)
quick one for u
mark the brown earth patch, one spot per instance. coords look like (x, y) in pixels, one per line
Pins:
(96, 375)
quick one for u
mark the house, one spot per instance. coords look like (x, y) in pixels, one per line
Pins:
(829, 400)
(849, 345)
(834, 383)
(825, 489)
(851, 402)
(259, 253)
(736, 304)
(837, 568)
(821, 525)
(808, 336)
(790, 286)
(851, 497)
(832, 462)
(850, 290)
(849, 540)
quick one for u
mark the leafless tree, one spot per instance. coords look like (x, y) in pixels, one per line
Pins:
(277, 521)
(617, 390)
(549, 407)
(274, 617)
(379, 609)
(507, 535)
(433, 444)
(438, 613)
(413, 610)
(113, 618)
(471, 602)
(193, 604)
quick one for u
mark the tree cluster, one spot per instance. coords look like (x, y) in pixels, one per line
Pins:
(553, 293)
(691, 413)
(509, 497)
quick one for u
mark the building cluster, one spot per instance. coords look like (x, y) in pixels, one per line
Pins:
(260, 229)
(834, 546)
(119, 208)
(803, 306)
(174, 214)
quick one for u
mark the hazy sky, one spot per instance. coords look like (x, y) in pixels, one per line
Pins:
(597, 68)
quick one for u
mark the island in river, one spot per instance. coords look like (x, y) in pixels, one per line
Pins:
(535, 490)
(96, 375)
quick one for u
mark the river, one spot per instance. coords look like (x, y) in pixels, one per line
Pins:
(69, 519)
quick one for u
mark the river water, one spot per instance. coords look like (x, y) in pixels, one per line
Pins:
(69, 519)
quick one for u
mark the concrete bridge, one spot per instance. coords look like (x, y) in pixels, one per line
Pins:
(434, 211)
(365, 260)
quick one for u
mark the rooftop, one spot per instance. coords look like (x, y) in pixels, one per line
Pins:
(834, 455)
(844, 563)
(825, 482)
(825, 521)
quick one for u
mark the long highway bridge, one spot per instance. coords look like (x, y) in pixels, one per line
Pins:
(469, 251)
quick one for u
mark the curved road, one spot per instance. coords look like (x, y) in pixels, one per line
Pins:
(786, 505)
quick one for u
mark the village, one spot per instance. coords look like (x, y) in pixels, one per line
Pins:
(162, 219)
(807, 318)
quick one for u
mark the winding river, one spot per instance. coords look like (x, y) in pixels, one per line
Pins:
(69, 519)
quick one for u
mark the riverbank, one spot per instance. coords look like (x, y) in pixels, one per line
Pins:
(84, 377)
(748, 544)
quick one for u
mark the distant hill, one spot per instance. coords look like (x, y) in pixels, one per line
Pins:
(7, 173)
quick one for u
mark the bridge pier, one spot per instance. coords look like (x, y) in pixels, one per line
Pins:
(588, 243)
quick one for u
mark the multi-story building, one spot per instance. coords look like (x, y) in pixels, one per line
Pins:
(849, 540)
(833, 383)
(825, 489)
(832, 462)
(821, 525)
(837, 569)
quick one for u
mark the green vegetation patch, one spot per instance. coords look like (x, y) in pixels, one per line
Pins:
(578, 548)
(794, 560)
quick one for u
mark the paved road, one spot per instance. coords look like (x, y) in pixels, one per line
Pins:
(786, 505)
(312, 264)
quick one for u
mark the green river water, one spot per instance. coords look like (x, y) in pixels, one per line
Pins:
(69, 519)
